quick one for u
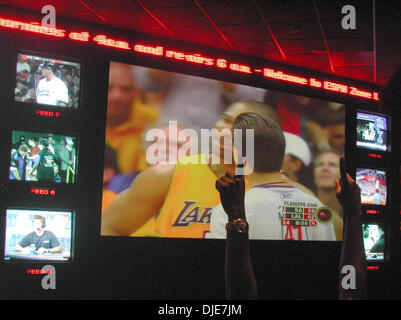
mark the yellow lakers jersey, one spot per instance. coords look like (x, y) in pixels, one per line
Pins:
(191, 197)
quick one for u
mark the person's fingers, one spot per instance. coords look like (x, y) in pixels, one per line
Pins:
(349, 179)
(356, 188)
(224, 180)
(238, 181)
(240, 186)
(345, 185)
(220, 185)
(338, 186)
(229, 175)
(221, 188)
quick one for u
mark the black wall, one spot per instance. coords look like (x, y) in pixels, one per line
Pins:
(151, 268)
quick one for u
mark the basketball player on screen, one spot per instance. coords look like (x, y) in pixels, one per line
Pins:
(181, 196)
(51, 90)
(239, 274)
(276, 209)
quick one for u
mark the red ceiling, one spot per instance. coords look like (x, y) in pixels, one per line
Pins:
(305, 33)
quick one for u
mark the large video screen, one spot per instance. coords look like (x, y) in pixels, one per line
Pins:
(371, 131)
(43, 157)
(47, 81)
(374, 241)
(38, 235)
(166, 134)
(373, 185)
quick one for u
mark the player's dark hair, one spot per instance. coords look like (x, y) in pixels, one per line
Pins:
(269, 141)
(44, 142)
(262, 109)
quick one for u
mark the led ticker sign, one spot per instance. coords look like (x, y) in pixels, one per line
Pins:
(33, 27)
(267, 72)
(190, 57)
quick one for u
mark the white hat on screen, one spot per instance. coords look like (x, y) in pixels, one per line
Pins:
(297, 147)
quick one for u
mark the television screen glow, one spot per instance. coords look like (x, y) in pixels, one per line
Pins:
(47, 81)
(374, 241)
(143, 101)
(43, 157)
(371, 131)
(373, 185)
(38, 235)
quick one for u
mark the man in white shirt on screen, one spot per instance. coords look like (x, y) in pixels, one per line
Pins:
(275, 209)
(51, 90)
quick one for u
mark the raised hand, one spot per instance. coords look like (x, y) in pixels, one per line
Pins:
(232, 194)
(347, 191)
(352, 252)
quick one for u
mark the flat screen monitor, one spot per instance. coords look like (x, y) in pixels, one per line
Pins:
(158, 138)
(373, 185)
(47, 81)
(374, 241)
(371, 131)
(43, 157)
(39, 235)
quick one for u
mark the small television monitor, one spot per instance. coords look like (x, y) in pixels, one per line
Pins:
(40, 235)
(43, 157)
(371, 131)
(47, 81)
(373, 185)
(374, 241)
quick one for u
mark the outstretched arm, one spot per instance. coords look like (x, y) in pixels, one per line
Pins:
(353, 283)
(135, 206)
(239, 275)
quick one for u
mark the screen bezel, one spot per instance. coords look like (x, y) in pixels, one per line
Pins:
(41, 261)
(44, 183)
(55, 57)
(369, 205)
(385, 230)
(201, 75)
(388, 131)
